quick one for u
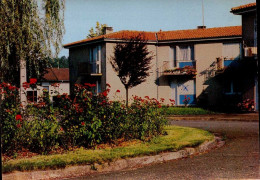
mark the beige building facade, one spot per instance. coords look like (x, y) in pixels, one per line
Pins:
(185, 63)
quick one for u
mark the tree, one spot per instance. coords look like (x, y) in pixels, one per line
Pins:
(62, 62)
(30, 30)
(131, 61)
(100, 30)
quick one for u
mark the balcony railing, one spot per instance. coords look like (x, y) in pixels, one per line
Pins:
(183, 68)
(87, 68)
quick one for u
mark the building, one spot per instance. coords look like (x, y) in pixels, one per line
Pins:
(55, 81)
(249, 39)
(185, 63)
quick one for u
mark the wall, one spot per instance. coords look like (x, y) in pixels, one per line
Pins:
(81, 54)
(248, 28)
(147, 88)
(205, 56)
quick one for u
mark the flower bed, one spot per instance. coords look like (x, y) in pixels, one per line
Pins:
(84, 120)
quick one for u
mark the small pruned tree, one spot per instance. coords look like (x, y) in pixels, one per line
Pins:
(100, 30)
(131, 61)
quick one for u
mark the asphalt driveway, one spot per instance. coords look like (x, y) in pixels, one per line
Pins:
(237, 159)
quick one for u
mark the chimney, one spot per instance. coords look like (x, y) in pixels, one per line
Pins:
(201, 27)
(108, 30)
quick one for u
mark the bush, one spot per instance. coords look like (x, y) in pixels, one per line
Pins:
(82, 120)
(11, 118)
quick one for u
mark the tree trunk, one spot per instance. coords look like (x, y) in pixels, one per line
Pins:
(126, 90)
(23, 78)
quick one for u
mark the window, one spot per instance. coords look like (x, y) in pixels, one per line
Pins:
(95, 59)
(32, 96)
(45, 90)
(232, 87)
(182, 53)
(231, 51)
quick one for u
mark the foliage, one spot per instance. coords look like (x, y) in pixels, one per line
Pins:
(176, 139)
(62, 62)
(86, 120)
(131, 61)
(91, 119)
(145, 118)
(100, 30)
(186, 100)
(11, 119)
(247, 105)
(187, 70)
(29, 31)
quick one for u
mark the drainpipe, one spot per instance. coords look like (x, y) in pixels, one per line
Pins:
(157, 70)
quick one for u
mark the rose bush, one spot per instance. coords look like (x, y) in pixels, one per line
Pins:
(85, 119)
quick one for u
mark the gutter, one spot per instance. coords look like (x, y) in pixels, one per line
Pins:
(157, 69)
(240, 12)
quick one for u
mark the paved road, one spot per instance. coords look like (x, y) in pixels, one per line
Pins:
(237, 159)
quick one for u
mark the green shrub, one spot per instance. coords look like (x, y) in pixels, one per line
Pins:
(11, 118)
(41, 135)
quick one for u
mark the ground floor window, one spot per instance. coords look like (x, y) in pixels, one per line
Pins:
(232, 87)
(32, 96)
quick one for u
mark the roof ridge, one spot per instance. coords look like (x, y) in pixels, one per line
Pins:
(199, 29)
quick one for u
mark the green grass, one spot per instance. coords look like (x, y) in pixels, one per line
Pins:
(177, 138)
(185, 111)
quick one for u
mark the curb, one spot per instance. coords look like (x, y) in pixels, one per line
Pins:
(199, 118)
(121, 164)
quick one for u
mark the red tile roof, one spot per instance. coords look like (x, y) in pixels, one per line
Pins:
(242, 7)
(169, 35)
(200, 33)
(55, 74)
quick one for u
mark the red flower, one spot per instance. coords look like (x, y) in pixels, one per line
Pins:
(18, 125)
(118, 91)
(26, 85)
(147, 97)
(33, 81)
(108, 85)
(105, 93)
(82, 123)
(93, 85)
(18, 117)
(61, 129)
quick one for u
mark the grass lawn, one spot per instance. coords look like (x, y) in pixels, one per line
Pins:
(177, 138)
(185, 111)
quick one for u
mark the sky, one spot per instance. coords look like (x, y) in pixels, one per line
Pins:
(146, 15)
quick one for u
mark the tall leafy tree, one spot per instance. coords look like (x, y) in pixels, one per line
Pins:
(99, 30)
(30, 31)
(131, 61)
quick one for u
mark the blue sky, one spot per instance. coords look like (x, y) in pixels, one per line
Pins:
(145, 15)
